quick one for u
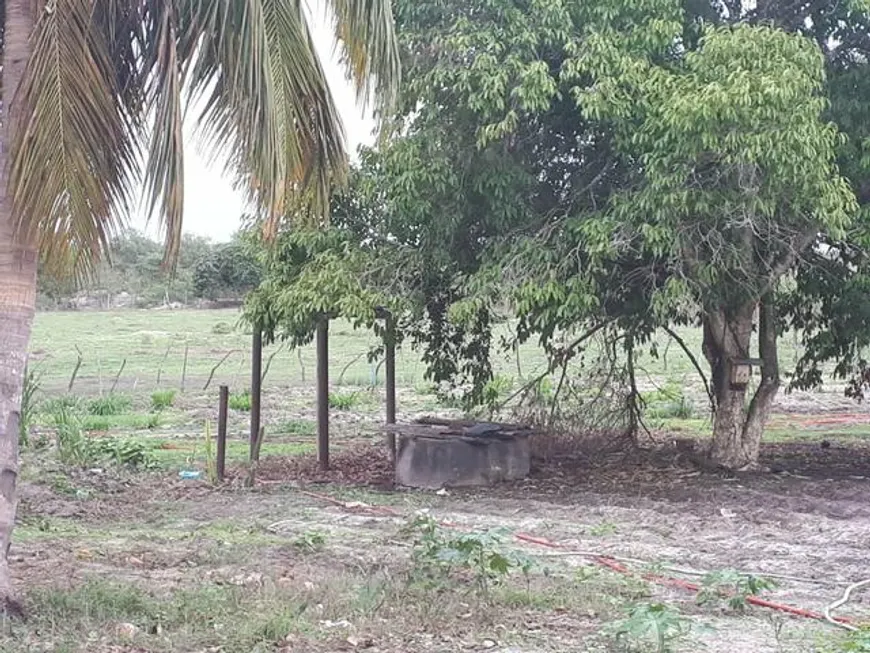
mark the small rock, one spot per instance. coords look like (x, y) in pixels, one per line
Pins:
(442, 493)
(489, 643)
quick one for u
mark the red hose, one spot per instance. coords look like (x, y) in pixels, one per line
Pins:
(684, 584)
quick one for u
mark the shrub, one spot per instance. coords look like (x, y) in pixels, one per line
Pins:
(222, 329)
(650, 627)
(72, 444)
(437, 555)
(162, 399)
(344, 400)
(241, 401)
(110, 404)
(298, 427)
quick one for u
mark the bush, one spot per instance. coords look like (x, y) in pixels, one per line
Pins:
(241, 401)
(74, 447)
(669, 402)
(54, 406)
(162, 399)
(72, 444)
(343, 400)
(222, 329)
(110, 404)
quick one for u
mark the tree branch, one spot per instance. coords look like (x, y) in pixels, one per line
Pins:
(682, 343)
(567, 353)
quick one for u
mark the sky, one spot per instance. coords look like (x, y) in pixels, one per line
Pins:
(211, 207)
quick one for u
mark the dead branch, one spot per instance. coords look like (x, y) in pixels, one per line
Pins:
(118, 376)
(693, 359)
(214, 369)
(72, 379)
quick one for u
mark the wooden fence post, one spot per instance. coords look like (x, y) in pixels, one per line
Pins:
(221, 460)
(390, 382)
(256, 388)
(323, 393)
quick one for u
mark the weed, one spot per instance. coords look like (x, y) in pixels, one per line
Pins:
(309, 542)
(648, 625)
(72, 444)
(732, 587)
(56, 404)
(108, 405)
(222, 329)
(210, 456)
(162, 399)
(437, 555)
(344, 400)
(126, 451)
(106, 422)
(855, 642)
(604, 528)
(75, 448)
(241, 401)
(669, 402)
(425, 389)
(495, 391)
(298, 427)
(256, 621)
(32, 383)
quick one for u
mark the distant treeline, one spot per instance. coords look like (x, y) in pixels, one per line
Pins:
(133, 276)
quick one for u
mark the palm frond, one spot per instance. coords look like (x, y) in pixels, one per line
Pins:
(74, 156)
(268, 103)
(366, 33)
(164, 172)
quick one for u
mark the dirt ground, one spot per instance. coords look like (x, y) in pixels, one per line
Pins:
(808, 520)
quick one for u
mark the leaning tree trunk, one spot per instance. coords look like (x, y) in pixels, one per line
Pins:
(18, 261)
(738, 427)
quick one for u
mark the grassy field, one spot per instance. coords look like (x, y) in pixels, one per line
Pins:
(115, 552)
(141, 356)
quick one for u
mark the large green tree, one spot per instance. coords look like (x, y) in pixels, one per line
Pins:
(638, 166)
(94, 92)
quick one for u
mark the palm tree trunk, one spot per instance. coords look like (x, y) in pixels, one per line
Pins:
(18, 261)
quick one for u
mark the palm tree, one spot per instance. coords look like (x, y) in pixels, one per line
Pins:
(94, 94)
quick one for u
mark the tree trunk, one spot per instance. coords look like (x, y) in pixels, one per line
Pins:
(18, 262)
(737, 429)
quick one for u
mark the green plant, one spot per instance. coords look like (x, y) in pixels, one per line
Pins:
(309, 541)
(298, 427)
(162, 399)
(122, 451)
(495, 391)
(669, 402)
(438, 554)
(210, 456)
(73, 447)
(648, 625)
(857, 641)
(241, 401)
(32, 383)
(56, 404)
(732, 587)
(604, 528)
(222, 329)
(110, 404)
(132, 421)
(344, 400)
